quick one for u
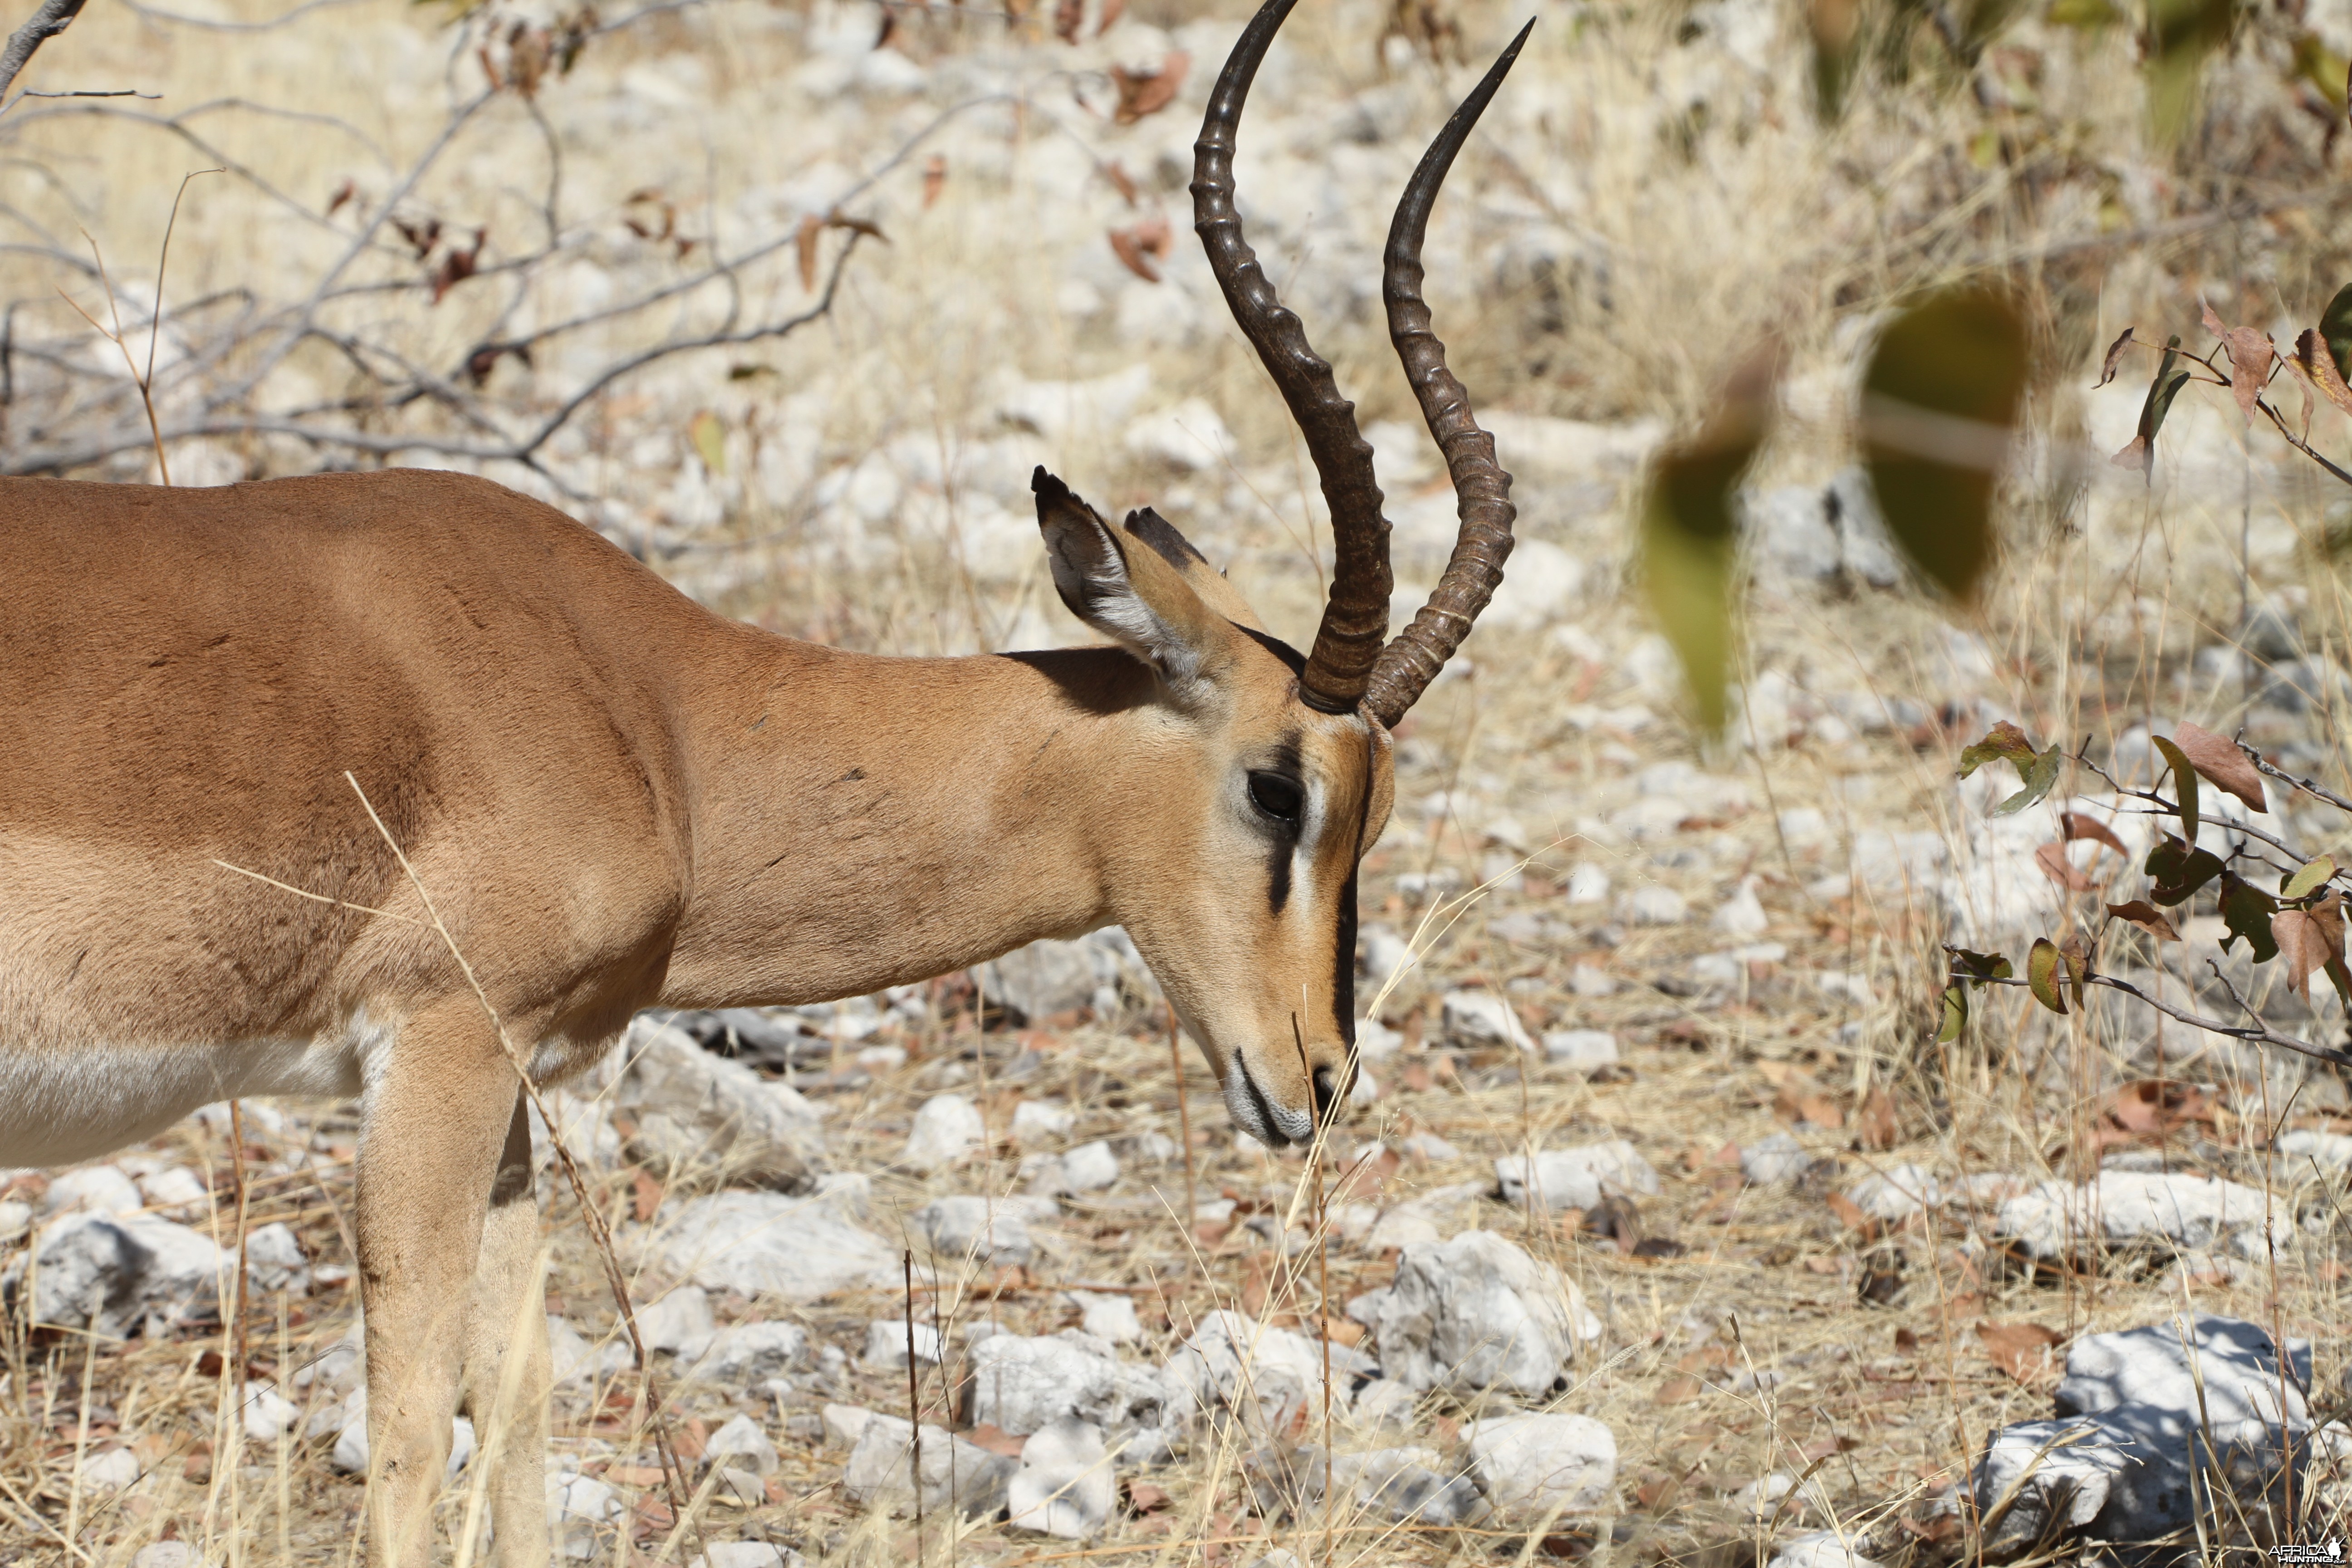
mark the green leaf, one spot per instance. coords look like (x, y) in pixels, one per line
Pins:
(2336, 321)
(1979, 966)
(2246, 910)
(2314, 874)
(2039, 780)
(709, 437)
(1835, 27)
(2162, 388)
(1956, 1014)
(1690, 542)
(2184, 783)
(2042, 974)
(2004, 743)
(1938, 402)
(2174, 871)
(2322, 68)
(2181, 34)
(2087, 14)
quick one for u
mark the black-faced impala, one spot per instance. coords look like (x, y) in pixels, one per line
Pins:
(617, 799)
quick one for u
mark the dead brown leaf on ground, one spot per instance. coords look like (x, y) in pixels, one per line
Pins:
(2025, 1351)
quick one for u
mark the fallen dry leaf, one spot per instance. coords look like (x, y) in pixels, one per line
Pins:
(1138, 247)
(2022, 1350)
(1875, 1125)
(2150, 1109)
(997, 1440)
(644, 1197)
(1149, 93)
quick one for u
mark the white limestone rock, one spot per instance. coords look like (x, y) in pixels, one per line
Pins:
(1064, 1486)
(695, 1111)
(1477, 1313)
(742, 1445)
(1088, 1168)
(93, 1189)
(1653, 905)
(2121, 1207)
(745, 1355)
(275, 1261)
(1020, 1385)
(1040, 1121)
(1820, 1549)
(679, 1322)
(1108, 1318)
(886, 1468)
(2132, 1451)
(1476, 1020)
(138, 1269)
(993, 1232)
(948, 1128)
(1579, 1177)
(1584, 1049)
(111, 1471)
(885, 1344)
(767, 1244)
(1232, 1367)
(1775, 1159)
(1530, 1465)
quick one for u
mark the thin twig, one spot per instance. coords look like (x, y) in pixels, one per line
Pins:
(2257, 1034)
(54, 18)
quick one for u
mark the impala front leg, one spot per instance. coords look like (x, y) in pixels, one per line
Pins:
(435, 1121)
(507, 1366)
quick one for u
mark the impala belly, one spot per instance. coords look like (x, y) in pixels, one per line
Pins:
(60, 1103)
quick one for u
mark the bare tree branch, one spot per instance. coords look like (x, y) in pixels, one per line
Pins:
(2256, 1033)
(54, 18)
(155, 14)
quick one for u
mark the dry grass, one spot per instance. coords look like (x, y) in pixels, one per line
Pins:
(1702, 210)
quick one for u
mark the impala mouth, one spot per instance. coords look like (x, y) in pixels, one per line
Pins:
(1271, 1125)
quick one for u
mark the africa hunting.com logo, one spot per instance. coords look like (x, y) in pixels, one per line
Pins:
(2329, 1552)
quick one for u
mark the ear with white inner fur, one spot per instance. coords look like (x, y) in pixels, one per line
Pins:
(1130, 595)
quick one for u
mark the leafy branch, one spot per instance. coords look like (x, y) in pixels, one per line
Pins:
(2300, 925)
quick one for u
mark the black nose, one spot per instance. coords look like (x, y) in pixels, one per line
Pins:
(1330, 1088)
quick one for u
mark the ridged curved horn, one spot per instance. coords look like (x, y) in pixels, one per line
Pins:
(1483, 490)
(1356, 618)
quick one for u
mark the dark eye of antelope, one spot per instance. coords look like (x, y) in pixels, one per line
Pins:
(1278, 796)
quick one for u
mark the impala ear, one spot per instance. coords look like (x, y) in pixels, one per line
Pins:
(1132, 596)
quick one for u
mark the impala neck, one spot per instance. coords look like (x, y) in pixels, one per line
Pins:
(858, 822)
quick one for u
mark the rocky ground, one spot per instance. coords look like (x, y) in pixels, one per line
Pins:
(1663, 1228)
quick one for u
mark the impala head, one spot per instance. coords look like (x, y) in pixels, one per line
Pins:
(1279, 771)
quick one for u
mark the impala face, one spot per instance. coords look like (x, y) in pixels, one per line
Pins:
(1267, 803)
(1276, 776)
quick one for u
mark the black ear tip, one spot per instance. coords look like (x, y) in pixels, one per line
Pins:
(1045, 486)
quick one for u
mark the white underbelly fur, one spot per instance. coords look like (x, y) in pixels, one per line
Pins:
(61, 1104)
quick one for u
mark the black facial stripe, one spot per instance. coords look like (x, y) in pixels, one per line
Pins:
(1257, 1098)
(1291, 658)
(1343, 969)
(1286, 761)
(1166, 542)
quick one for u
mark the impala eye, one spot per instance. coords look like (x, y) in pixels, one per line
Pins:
(1276, 795)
